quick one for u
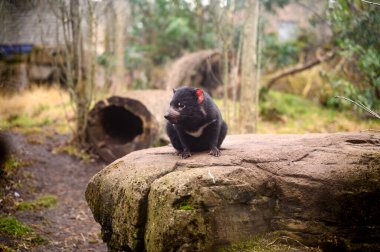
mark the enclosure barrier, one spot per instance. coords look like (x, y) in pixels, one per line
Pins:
(124, 123)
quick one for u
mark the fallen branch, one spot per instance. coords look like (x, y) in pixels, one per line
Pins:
(298, 68)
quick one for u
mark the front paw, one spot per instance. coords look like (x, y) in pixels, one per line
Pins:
(185, 154)
(215, 152)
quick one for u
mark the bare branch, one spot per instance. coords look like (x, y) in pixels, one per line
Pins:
(360, 105)
(368, 2)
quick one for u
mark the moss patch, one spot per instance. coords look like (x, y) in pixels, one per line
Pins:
(73, 151)
(271, 242)
(45, 201)
(18, 236)
(184, 203)
(12, 165)
(11, 226)
(186, 207)
(38, 240)
(23, 121)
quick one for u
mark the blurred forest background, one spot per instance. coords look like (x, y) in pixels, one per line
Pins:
(66, 66)
(277, 65)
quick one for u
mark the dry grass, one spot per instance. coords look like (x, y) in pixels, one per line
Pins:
(279, 113)
(37, 107)
(269, 242)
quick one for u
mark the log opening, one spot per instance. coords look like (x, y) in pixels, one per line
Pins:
(121, 124)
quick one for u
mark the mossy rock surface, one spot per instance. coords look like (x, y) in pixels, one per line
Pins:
(317, 189)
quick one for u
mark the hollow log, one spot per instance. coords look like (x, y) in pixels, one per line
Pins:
(124, 123)
(318, 189)
(200, 69)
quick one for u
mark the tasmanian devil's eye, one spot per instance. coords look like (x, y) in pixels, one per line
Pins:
(180, 105)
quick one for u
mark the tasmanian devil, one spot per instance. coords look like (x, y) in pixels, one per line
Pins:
(194, 122)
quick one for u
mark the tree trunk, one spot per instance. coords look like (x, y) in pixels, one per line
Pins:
(249, 87)
(200, 13)
(109, 43)
(120, 16)
(90, 59)
(226, 109)
(80, 90)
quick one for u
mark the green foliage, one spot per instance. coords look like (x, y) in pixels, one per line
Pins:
(356, 32)
(178, 28)
(288, 113)
(163, 30)
(289, 105)
(135, 56)
(270, 4)
(277, 54)
(11, 226)
(106, 59)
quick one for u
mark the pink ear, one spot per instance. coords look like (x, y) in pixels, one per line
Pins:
(200, 95)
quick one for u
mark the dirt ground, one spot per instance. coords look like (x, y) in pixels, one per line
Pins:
(69, 226)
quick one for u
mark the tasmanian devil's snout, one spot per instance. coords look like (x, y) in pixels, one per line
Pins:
(194, 122)
(172, 115)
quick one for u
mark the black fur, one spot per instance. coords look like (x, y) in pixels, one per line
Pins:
(5, 150)
(190, 118)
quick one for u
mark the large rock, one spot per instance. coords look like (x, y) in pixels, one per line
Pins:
(320, 189)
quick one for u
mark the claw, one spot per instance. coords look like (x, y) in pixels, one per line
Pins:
(215, 152)
(185, 154)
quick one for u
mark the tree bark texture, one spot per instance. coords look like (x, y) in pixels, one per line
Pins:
(249, 86)
(120, 25)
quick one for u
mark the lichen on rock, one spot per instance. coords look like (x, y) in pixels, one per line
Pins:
(320, 189)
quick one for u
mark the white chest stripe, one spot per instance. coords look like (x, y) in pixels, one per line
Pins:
(199, 132)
